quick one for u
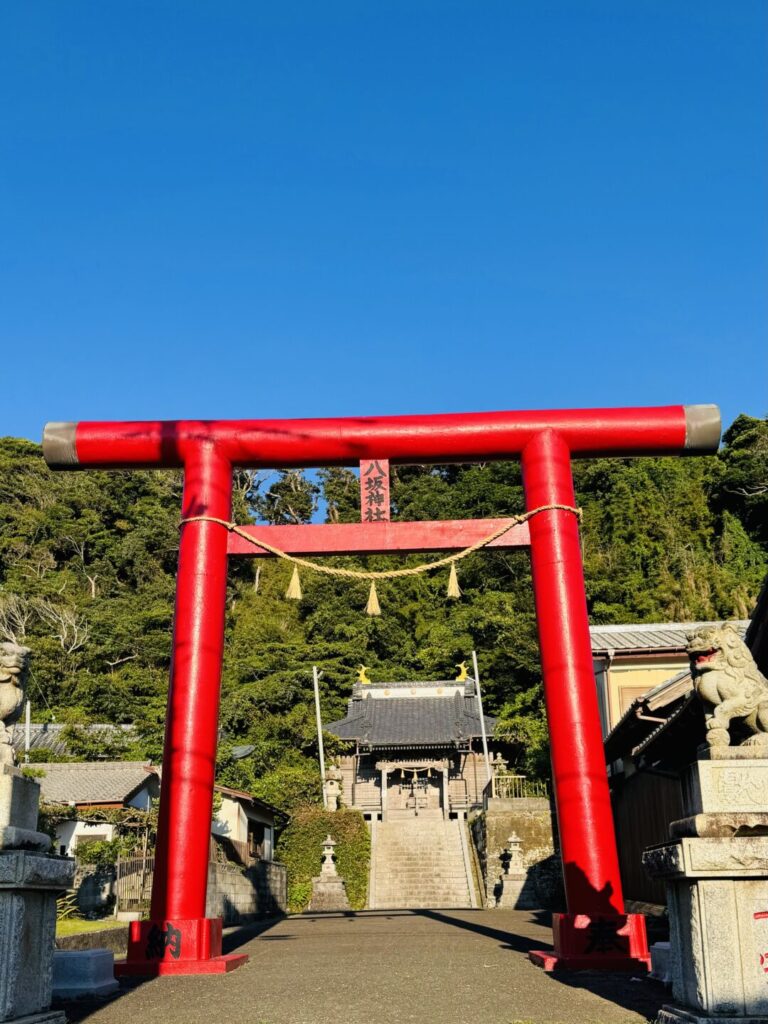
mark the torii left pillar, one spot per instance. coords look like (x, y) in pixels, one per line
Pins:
(179, 938)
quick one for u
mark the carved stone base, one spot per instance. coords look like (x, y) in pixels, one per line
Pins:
(721, 825)
(44, 1017)
(728, 780)
(678, 1015)
(718, 912)
(29, 884)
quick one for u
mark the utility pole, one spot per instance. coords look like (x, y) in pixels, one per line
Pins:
(27, 731)
(321, 752)
(482, 719)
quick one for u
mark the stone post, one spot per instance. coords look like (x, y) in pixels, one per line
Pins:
(333, 777)
(716, 869)
(30, 880)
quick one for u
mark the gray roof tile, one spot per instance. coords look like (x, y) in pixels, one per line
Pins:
(648, 636)
(91, 782)
(414, 721)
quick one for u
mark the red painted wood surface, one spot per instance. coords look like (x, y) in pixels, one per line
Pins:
(453, 437)
(192, 722)
(378, 539)
(580, 780)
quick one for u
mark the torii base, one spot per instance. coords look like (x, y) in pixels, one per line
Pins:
(596, 943)
(157, 948)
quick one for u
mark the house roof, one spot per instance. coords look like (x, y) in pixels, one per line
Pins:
(413, 720)
(51, 736)
(260, 805)
(649, 636)
(91, 782)
(647, 715)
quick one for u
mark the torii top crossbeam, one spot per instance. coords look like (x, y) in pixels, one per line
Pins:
(453, 437)
(595, 932)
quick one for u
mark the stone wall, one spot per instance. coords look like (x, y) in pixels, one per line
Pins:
(531, 819)
(114, 939)
(238, 894)
(95, 888)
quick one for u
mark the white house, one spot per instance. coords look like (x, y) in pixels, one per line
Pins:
(243, 825)
(105, 785)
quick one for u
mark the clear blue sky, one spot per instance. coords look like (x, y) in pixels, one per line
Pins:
(240, 209)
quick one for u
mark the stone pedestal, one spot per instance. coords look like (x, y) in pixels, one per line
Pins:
(30, 880)
(83, 972)
(516, 889)
(716, 871)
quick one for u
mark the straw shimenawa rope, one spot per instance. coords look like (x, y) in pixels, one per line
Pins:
(382, 574)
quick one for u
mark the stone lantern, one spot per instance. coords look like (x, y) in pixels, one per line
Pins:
(328, 889)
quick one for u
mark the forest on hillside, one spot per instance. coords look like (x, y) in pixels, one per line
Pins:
(87, 563)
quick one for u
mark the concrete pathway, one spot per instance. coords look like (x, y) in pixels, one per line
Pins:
(386, 967)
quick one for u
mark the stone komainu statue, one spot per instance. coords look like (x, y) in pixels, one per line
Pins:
(14, 663)
(727, 680)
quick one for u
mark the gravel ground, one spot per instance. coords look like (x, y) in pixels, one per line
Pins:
(385, 967)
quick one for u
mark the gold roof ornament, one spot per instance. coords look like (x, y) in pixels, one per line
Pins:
(362, 676)
(463, 674)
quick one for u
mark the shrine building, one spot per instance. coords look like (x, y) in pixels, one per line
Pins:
(417, 749)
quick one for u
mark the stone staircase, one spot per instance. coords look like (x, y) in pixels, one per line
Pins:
(420, 862)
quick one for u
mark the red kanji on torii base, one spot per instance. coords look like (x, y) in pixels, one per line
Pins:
(595, 932)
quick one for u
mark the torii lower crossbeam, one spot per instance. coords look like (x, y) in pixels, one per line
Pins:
(398, 538)
(596, 932)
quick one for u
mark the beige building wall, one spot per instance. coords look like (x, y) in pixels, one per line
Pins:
(630, 678)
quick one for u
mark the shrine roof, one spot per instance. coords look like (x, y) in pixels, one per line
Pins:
(649, 636)
(403, 715)
(53, 737)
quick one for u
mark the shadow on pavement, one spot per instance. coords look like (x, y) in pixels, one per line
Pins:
(81, 1009)
(509, 940)
(634, 992)
(237, 936)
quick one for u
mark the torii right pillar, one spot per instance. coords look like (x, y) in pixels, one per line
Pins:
(600, 936)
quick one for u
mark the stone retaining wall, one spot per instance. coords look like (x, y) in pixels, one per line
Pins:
(531, 819)
(238, 894)
(114, 939)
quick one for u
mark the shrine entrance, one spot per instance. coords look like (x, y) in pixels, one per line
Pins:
(415, 789)
(595, 932)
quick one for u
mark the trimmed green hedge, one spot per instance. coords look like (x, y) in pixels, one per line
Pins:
(300, 849)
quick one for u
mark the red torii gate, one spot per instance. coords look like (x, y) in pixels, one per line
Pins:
(595, 932)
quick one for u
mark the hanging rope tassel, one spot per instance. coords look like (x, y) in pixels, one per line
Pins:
(373, 607)
(293, 592)
(454, 590)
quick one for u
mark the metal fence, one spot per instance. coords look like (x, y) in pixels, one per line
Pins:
(134, 882)
(508, 786)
